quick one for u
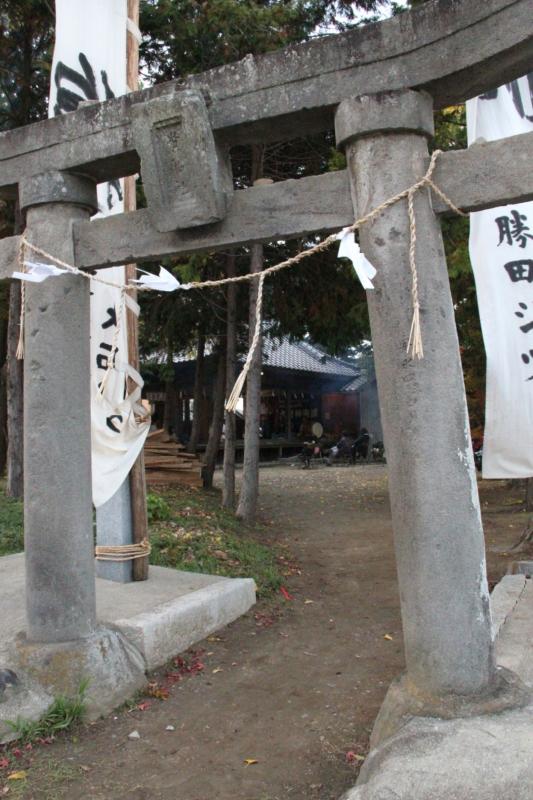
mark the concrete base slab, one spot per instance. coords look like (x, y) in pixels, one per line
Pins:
(514, 646)
(113, 668)
(485, 756)
(143, 625)
(27, 701)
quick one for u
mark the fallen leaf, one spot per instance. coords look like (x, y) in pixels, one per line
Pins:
(285, 593)
(218, 669)
(351, 757)
(4, 762)
(308, 602)
(249, 761)
(17, 776)
(388, 637)
(144, 706)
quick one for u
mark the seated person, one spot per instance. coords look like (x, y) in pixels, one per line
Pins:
(343, 448)
(310, 449)
(360, 446)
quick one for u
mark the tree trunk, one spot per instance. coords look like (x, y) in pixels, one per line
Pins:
(215, 429)
(247, 507)
(3, 387)
(198, 393)
(526, 537)
(3, 418)
(171, 398)
(15, 404)
(228, 491)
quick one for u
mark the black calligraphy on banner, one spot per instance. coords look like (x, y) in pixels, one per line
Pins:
(520, 270)
(514, 89)
(513, 229)
(84, 88)
(526, 313)
(111, 425)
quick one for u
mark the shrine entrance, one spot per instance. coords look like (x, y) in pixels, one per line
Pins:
(180, 134)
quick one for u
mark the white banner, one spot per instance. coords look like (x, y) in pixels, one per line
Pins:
(90, 64)
(501, 252)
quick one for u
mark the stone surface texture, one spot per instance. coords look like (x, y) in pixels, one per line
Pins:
(141, 625)
(453, 49)
(481, 758)
(58, 524)
(439, 541)
(186, 176)
(486, 756)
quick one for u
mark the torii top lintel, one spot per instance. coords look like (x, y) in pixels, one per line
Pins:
(454, 49)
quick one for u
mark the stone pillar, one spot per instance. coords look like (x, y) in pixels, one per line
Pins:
(439, 541)
(60, 593)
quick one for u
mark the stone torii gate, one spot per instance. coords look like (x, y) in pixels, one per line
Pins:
(378, 87)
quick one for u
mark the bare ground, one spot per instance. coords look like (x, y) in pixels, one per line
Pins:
(293, 687)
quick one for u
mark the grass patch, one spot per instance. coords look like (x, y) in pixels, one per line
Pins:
(188, 531)
(11, 524)
(62, 715)
(198, 536)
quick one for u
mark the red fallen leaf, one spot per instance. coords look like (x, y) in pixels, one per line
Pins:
(144, 706)
(352, 757)
(29, 746)
(285, 593)
(17, 752)
(4, 763)
(173, 677)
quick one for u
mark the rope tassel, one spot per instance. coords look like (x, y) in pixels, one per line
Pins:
(233, 399)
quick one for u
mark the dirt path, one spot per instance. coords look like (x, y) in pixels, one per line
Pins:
(296, 693)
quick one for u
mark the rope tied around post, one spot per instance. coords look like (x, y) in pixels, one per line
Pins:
(123, 552)
(414, 345)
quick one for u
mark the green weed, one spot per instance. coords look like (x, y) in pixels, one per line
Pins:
(157, 508)
(62, 715)
(11, 524)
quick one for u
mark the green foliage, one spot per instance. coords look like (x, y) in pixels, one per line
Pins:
(199, 536)
(26, 40)
(187, 36)
(11, 524)
(157, 507)
(62, 715)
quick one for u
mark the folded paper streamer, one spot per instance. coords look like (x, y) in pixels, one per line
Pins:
(164, 282)
(37, 271)
(349, 248)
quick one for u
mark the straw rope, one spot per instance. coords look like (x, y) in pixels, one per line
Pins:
(414, 346)
(123, 552)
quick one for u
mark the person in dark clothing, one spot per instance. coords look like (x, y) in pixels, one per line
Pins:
(360, 446)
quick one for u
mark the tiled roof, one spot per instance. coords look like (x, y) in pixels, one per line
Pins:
(304, 357)
(300, 356)
(357, 383)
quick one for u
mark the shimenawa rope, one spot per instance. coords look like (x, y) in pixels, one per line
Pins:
(414, 346)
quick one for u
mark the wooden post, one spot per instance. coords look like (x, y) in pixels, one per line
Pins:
(137, 476)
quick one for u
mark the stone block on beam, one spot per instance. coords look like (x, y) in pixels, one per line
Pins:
(186, 176)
